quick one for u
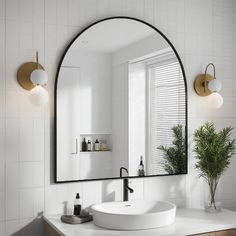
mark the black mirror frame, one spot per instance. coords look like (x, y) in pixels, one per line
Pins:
(55, 101)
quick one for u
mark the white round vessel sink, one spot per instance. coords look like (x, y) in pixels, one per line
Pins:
(134, 215)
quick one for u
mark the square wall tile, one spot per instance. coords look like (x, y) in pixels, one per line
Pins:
(38, 152)
(51, 12)
(2, 40)
(12, 104)
(38, 201)
(62, 12)
(2, 126)
(12, 227)
(2, 104)
(38, 40)
(12, 140)
(25, 10)
(2, 228)
(2, 191)
(2, 147)
(26, 174)
(26, 203)
(12, 175)
(73, 16)
(26, 147)
(38, 174)
(12, 191)
(51, 205)
(2, 9)
(12, 204)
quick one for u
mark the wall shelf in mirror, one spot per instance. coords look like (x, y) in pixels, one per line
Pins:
(109, 150)
(95, 142)
(126, 87)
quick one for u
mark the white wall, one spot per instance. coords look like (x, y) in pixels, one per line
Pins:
(202, 31)
(137, 117)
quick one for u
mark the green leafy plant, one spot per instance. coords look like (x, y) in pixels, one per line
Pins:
(214, 150)
(175, 157)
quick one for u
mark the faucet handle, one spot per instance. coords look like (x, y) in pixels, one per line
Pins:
(130, 190)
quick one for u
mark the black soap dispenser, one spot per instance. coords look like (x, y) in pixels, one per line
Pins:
(97, 145)
(141, 167)
(89, 146)
(77, 205)
(84, 146)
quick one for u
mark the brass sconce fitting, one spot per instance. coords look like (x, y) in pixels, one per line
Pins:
(201, 82)
(31, 76)
(206, 84)
(25, 71)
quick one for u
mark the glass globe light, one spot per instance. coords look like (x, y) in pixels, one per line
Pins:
(38, 96)
(216, 100)
(39, 77)
(214, 85)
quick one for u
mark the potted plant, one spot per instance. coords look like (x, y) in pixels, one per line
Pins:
(213, 152)
(174, 159)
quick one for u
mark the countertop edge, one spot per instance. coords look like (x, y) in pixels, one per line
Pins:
(202, 222)
(53, 225)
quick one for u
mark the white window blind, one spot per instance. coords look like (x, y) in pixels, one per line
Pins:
(166, 107)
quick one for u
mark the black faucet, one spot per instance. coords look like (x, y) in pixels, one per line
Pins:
(126, 188)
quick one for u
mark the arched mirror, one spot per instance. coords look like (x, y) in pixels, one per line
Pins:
(120, 101)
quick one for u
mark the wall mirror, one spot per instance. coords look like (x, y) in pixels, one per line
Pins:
(120, 94)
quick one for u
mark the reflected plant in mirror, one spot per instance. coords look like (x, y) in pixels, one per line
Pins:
(174, 158)
(120, 88)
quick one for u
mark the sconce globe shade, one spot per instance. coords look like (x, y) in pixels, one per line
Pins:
(38, 96)
(216, 100)
(39, 77)
(214, 85)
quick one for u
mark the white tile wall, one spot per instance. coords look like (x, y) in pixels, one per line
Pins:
(202, 31)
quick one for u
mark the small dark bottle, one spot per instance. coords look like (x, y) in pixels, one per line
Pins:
(84, 146)
(89, 146)
(96, 145)
(141, 167)
(77, 205)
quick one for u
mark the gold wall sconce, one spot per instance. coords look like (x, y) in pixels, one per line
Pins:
(207, 85)
(32, 77)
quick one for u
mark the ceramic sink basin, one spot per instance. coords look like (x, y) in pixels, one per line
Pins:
(134, 215)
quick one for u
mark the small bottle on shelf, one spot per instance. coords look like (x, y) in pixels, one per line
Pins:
(141, 167)
(84, 146)
(96, 145)
(89, 146)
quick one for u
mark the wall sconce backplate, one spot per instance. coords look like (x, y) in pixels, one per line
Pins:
(201, 84)
(24, 72)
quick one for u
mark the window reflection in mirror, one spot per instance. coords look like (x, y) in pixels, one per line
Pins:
(120, 91)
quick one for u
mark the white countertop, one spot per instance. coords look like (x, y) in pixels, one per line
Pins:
(188, 221)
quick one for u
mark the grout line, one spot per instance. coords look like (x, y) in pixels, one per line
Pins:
(96, 12)
(44, 178)
(5, 126)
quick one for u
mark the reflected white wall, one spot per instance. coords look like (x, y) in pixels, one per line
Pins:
(137, 116)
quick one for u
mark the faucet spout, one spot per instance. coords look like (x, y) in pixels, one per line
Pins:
(123, 168)
(126, 188)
